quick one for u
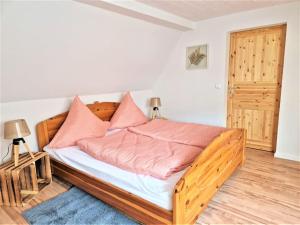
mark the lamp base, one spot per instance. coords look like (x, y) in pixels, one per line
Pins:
(155, 113)
(16, 150)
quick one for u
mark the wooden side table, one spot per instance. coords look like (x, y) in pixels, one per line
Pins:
(20, 183)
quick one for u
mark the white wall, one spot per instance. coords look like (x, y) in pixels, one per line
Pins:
(35, 111)
(192, 96)
(74, 48)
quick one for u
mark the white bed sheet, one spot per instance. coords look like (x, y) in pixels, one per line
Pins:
(152, 189)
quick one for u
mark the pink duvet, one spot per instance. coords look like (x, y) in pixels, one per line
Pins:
(184, 133)
(158, 148)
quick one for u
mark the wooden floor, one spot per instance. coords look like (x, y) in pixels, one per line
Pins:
(265, 191)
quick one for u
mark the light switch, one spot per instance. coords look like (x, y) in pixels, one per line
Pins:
(218, 86)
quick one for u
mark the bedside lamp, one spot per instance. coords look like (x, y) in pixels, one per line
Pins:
(17, 130)
(155, 104)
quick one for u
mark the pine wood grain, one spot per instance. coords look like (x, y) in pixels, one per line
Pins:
(18, 182)
(265, 190)
(206, 175)
(254, 83)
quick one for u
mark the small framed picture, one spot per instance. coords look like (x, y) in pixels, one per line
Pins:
(196, 57)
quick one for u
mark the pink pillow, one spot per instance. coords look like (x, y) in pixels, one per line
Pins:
(80, 123)
(127, 114)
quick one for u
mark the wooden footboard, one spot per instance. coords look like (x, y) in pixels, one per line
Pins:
(207, 173)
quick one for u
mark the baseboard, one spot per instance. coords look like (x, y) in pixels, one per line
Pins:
(287, 156)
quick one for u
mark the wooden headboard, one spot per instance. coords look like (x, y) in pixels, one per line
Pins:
(47, 129)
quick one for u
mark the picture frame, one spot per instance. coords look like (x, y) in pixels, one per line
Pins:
(196, 57)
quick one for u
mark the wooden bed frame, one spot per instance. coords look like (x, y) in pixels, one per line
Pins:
(191, 193)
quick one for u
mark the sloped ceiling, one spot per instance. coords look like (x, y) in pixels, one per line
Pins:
(63, 48)
(179, 14)
(196, 10)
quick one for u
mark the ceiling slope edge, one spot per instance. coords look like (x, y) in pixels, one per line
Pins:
(143, 12)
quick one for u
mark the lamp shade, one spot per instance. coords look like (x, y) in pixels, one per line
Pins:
(155, 102)
(16, 129)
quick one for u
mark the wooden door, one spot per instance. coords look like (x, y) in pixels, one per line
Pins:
(254, 84)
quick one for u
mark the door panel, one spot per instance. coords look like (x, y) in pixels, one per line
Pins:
(254, 84)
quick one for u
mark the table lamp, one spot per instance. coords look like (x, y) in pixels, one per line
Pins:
(17, 130)
(155, 104)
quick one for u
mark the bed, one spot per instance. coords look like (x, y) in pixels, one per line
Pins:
(193, 187)
(154, 190)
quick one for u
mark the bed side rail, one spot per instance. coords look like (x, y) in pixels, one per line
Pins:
(207, 173)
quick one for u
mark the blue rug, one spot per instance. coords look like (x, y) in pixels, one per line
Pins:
(75, 207)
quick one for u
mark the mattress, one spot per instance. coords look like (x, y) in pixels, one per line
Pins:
(156, 191)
